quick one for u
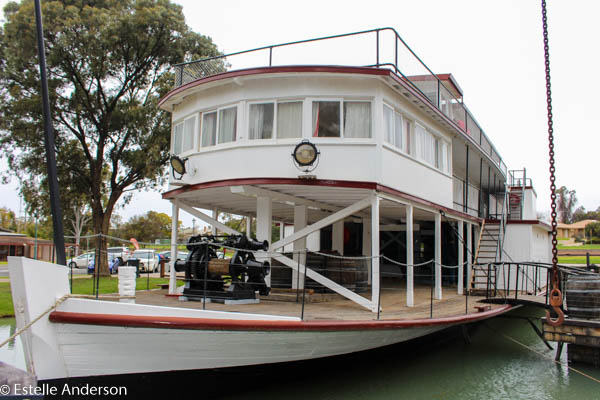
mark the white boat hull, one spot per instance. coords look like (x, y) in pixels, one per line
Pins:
(84, 337)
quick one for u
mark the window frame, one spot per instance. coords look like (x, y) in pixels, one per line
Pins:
(194, 134)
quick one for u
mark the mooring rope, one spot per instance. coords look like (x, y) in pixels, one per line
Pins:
(543, 355)
(53, 307)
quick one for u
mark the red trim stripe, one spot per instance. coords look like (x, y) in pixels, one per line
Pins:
(317, 182)
(139, 321)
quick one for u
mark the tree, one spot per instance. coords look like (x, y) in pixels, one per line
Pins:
(147, 227)
(592, 231)
(565, 203)
(8, 220)
(108, 66)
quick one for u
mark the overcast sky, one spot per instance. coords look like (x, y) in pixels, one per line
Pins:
(494, 49)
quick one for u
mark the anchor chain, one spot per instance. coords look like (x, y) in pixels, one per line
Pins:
(555, 295)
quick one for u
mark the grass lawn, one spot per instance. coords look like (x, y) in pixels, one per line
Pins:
(578, 260)
(582, 247)
(80, 286)
(3, 262)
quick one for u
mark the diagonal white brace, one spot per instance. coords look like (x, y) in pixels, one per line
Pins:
(207, 219)
(337, 216)
(369, 305)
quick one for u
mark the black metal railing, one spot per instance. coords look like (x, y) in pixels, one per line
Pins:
(414, 72)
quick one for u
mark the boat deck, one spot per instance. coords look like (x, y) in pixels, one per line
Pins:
(334, 307)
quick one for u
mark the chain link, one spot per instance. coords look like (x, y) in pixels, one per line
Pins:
(555, 294)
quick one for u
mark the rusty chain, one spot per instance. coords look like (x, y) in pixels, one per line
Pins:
(555, 295)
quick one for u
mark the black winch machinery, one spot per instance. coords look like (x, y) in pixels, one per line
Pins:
(219, 279)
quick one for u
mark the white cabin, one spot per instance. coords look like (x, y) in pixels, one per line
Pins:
(404, 169)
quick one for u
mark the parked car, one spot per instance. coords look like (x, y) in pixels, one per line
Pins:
(148, 259)
(81, 261)
(122, 252)
(113, 263)
(181, 255)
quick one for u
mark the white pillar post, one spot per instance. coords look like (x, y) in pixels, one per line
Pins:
(215, 215)
(461, 256)
(410, 259)
(174, 225)
(300, 221)
(337, 237)
(281, 230)
(469, 253)
(438, 257)
(366, 238)
(264, 225)
(249, 226)
(375, 252)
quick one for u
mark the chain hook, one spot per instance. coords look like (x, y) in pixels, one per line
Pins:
(555, 303)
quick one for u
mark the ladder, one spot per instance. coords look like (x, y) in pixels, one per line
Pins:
(489, 250)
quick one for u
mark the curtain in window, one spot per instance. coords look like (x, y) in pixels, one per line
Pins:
(188, 134)
(177, 138)
(260, 124)
(227, 124)
(444, 153)
(289, 120)
(408, 137)
(357, 119)
(398, 142)
(209, 129)
(388, 124)
(425, 145)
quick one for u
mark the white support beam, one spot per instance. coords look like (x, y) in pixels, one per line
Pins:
(410, 269)
(207, 219)
(374, 275)
(215, 215)
(174, 226)
(438, 257)
(469, 253)
(461, 257)
(343, 213)
(327, 283)
(337, 237)
(300, 222)
(366, 231)
(264, 227)
(249, 226)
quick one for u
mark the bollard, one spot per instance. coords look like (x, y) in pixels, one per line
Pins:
(127, 283)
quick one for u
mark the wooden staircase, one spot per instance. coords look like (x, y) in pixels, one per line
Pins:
(486, 252)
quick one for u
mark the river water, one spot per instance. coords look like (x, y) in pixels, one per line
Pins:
(491, 366)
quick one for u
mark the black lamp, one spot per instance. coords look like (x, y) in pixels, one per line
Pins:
(178, 166)
(305, 155)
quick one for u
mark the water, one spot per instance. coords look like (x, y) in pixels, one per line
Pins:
(490, 367)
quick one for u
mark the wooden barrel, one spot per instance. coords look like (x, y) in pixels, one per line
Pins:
(583, 296)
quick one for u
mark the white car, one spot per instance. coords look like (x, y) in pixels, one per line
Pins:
(148, 259)
(81, 261)
(122, 252)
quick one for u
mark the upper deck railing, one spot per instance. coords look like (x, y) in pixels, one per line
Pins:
(390, 51)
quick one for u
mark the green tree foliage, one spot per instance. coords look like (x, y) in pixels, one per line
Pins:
(147, 227)
(580, 214)
(8, 219)
(565, 204)
(592, 231)
(108, 63)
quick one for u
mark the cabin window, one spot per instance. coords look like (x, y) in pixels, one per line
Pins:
(425, 146)
(227, 124)
(189, 126)
(444, 151)
(183, 135)
(326, 118)
(409, 136)
(177, 138)
(394, 128)
(357, 119)
(289, 119)
(209, 129)
(261, 121)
